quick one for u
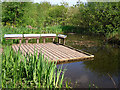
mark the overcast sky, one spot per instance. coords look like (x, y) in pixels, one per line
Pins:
(70, 2)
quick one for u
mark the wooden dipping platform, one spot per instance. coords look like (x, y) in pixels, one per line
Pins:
(55, 52)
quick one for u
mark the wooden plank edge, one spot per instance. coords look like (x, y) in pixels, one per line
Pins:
(73, 59)
(78, 50)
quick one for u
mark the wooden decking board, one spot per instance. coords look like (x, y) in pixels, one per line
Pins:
(70, 53)
(53, 52)
(73, 51)
(22, 49)
(39, 48)
(80, 51)
(54, 55)
(16, 47)
(31, 47)
(58, 52)
(31, 51)
(61, 53)
(13, 48)
(65, 51)
(46, 53)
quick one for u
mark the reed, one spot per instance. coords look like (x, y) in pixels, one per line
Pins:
(30, 71)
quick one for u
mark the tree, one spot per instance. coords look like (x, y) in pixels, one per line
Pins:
(100, 17)
(43, 9)
(57, 15)
(12, 12)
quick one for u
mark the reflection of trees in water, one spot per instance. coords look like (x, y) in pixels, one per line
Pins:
(105, 61)
(106, 56)
(79, 40)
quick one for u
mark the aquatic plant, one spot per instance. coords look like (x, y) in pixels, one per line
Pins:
(30, 71)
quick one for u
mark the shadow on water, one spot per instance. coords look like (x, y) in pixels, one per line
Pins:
(102, 71)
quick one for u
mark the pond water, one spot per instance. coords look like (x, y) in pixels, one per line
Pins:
(102, 72)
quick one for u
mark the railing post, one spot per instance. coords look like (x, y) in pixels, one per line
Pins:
(63, 41)
(43, 40)
(53, 39)
(20, 41)
(37, 40)
(59, 40)
(26, 40)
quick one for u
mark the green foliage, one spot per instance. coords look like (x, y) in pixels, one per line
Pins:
(42, 10)
(24, 13)
(57, 15)
(29, 71)
(72, 17)
(30, 15)
(35, 14)
(12, 13)
(54, 29)
(96, 17)
(101, 17)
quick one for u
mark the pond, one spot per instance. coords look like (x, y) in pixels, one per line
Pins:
(102, 72)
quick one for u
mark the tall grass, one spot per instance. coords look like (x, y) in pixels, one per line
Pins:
(113, 37)
(26, 30)
(29, 71)
(54, 29)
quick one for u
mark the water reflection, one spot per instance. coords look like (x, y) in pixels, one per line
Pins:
(93, 71)
(106, 60)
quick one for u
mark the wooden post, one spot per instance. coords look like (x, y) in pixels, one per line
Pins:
(20, 41)
(43, 40)
(26, 40)
(63, 41)
(59, 40)
(37, 40)
(53, 39)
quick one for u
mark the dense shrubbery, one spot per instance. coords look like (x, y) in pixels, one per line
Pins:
(102, 17)
(96, 17)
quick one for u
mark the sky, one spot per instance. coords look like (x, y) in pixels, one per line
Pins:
(70, 2)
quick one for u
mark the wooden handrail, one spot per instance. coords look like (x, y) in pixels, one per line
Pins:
(35, 36)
